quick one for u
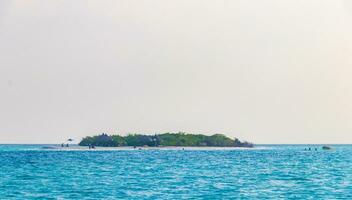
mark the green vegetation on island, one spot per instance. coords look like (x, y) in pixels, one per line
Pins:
(165, 139)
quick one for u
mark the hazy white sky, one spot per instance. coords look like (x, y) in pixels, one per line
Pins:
(274, 71)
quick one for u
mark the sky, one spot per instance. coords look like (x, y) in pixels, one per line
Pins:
(274, 71)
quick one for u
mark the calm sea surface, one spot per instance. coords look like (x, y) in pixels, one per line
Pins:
(268, 172)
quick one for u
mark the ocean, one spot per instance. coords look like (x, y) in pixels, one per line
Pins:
(265, 172)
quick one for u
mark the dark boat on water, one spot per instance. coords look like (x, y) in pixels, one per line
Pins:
(326, 148)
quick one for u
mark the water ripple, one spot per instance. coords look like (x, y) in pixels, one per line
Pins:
(274, 172)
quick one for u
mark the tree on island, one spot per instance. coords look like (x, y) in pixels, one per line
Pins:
(165, 139)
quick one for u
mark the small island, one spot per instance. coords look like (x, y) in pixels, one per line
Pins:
(165, 139)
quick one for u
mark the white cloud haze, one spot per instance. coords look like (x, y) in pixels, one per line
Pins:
(275, 71)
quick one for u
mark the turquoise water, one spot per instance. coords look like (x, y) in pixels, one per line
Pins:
(269, 172)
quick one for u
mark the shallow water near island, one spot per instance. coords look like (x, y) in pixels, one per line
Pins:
(266, 172)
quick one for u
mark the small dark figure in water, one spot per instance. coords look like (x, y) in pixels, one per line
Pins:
(183, 148)
(62, 145)
(134, 147)
(316, 149)
(305, 149)
(309, 149)
(67, 145)
(326, 148)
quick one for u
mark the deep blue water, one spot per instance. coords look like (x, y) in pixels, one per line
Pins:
(272, 172)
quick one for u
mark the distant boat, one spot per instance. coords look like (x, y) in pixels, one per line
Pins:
(326, 148)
